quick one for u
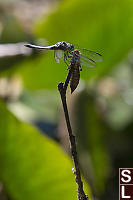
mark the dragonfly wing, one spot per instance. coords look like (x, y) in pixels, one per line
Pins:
(87, 62)
(58, 54)
(56, 57)
(96, 57)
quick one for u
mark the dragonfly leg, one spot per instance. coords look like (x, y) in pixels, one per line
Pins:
(68, 67)
(65, 59)
(67, 55)
(66, 62)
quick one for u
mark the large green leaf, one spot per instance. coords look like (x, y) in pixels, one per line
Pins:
(103, 26)
(31, 165)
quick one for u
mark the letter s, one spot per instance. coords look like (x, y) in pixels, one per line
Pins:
(125, 173)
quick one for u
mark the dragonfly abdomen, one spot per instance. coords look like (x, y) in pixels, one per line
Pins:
(75, 77)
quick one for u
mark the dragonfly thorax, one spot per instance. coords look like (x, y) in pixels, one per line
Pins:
(65, 46)
(76, 56)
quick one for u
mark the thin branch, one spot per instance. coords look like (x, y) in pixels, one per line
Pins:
(62, 87)
(67, 79)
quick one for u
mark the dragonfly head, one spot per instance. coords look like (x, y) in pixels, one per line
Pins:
(76, 52)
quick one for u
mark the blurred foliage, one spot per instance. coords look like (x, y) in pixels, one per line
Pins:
(32, 166)
(11, 31)
(11, 28)
(91, 143)
(95, 25)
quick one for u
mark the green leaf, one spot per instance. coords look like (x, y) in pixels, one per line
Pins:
(96, 25)
(31, 165)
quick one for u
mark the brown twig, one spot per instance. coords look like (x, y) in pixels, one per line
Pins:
(62, 87)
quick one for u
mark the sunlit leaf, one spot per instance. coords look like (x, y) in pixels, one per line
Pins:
(31, 165)
(94, 25)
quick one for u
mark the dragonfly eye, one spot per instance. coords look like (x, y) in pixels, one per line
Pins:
(77, 52)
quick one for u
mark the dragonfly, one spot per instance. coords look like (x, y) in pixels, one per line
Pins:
(65, 50)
